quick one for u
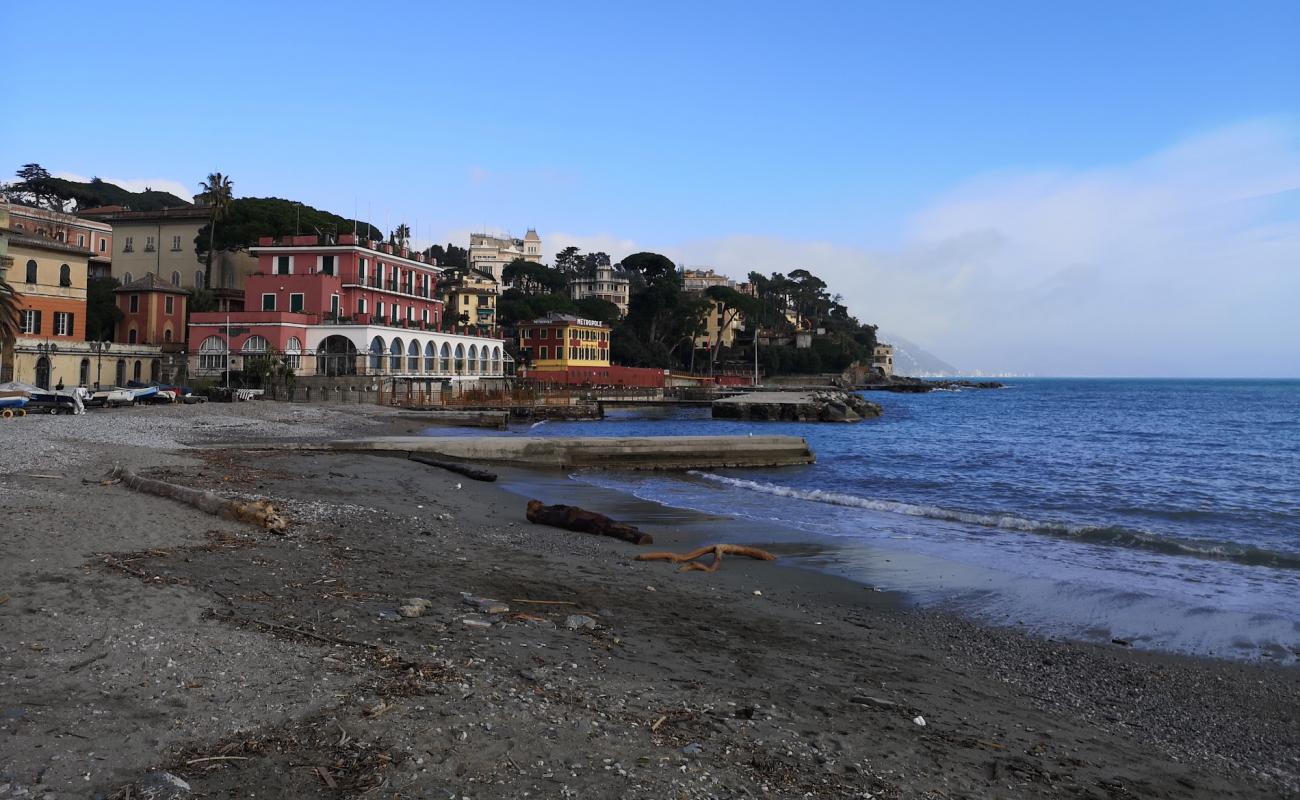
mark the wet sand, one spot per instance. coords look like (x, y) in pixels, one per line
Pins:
(141, 635)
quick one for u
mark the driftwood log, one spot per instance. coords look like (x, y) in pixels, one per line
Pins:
(460, 469)
(576, 519)
(255, 512)
(688, 562)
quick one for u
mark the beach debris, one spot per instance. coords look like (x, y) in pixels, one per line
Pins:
(460, 469)
(484, 604)
(688, 562)
(1121, 642)
(163, 786)
(919, 720)
(877, 702)
(693, 749)
(757, 593)
(476, 622)
(255, 512)
(577, 519)
(579, 621)
(414, 607)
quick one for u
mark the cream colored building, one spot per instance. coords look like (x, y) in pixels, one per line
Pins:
(95, 238)
(470, 292)
(882, 359)
(696, 281)
(608, 283)
(162, 242)
(715, 328)
(491, 254)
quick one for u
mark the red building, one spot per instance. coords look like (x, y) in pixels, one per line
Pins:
(153, 312)
(342, 308)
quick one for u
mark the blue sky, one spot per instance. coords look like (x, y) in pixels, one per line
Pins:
(906, 151)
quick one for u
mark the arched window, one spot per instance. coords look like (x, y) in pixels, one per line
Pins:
(85, 372)
(255, 345)
(445, 357)
(472, 367)
(65, 275)
(293, 353)
(377, 354)
(496, 361)
(212, 354)
(126, 278)
(31, 271)
(121, 372)
(413, 357)
(167, 334)
(176, 279)
(483, 360)
(396, 350)
(131, 336)
(430, 358)
(198, 279)
(460, 359)
(135, 371)
(155, 370)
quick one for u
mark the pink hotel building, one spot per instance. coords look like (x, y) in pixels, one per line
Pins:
(339, 309)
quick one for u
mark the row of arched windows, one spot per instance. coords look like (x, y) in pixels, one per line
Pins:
(65, 273)
(394, 356)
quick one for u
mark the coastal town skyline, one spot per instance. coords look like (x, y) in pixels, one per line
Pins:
(993, 242)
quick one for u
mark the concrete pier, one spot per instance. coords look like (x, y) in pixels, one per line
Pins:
(638, 452)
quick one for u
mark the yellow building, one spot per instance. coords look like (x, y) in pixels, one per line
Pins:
(720, 325)
(472, 293)
(882, 359)
(559, 342)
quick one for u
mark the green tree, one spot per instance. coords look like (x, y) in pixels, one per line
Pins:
(569, 262)
(598, 309)
(218, 192)
(731, 304)
(8, 313)
(450, 256)
(102, 312)
(401, 236)
(532, 278)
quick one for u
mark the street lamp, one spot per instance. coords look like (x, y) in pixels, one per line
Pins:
(98, 349)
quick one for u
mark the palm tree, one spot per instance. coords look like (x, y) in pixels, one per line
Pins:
(217, 193)
(8, 312)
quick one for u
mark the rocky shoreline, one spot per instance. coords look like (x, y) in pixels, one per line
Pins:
(147, 649)
(820, 405)
(905, 385)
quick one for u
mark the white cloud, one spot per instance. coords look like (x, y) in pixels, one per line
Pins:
(138, 184)
(1186, 262)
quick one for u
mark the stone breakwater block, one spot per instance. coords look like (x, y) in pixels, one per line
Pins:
(815, 406)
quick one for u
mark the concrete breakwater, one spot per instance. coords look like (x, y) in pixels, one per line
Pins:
(637, 452)
(813, 406)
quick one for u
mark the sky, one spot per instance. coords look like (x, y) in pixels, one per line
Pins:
(1030, 188)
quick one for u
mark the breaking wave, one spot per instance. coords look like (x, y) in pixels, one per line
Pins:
(1100, 535)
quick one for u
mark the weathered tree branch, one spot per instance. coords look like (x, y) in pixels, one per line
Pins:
(459, 469)
(254, 512)
(688, 562)
(576, 519)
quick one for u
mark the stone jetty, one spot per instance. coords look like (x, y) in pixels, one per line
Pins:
(624, 452)
(809, 406)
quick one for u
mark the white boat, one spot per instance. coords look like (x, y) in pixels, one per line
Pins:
(112, 397)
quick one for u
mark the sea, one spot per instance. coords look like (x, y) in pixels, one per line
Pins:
(1161, 514)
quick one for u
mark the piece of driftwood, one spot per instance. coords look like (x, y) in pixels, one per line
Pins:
(577, 519)
(460, 469)
(254, 512)
(688, 562)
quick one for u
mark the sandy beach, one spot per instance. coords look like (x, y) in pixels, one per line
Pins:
(146, 647)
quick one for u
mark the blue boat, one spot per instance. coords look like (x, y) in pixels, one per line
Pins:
(12, 406)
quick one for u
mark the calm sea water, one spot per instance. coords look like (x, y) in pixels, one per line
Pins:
(1165, 513)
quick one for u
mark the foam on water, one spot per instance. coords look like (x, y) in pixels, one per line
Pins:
(1122, 537)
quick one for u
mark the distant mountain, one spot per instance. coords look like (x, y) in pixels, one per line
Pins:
(912, 360)
(94, 193)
